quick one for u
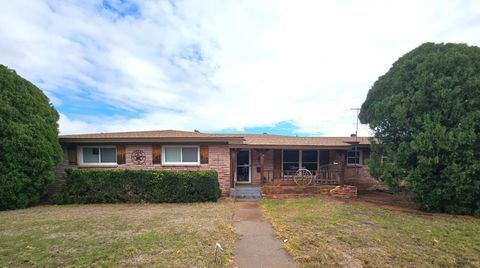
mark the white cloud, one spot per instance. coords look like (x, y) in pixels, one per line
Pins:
(213, 65)
(68, 126)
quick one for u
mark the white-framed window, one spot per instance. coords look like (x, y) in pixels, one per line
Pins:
(98, 155)
(354, 157)
(292, 160)
(180, 155)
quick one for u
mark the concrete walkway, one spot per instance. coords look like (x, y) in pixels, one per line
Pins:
(257, 246)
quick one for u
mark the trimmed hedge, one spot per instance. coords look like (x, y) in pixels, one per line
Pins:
(131, 186)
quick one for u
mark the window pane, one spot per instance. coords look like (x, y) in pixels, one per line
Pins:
(324, 157)
(108, 155)
(243, 173)
(90, 155)
(190, 154)
(353, 153)
(173, 154)
(353, 157)
(290, 168)
(310, 166)
(242, 158)
(352, 161)
(290, 156)
(309, 156)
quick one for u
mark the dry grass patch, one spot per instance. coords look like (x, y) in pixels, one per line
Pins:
(162, 235)
(322, 232)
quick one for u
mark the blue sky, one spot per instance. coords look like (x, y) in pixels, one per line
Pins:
(280, 128)
(282, 67)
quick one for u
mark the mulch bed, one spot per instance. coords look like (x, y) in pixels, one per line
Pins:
(399, 201)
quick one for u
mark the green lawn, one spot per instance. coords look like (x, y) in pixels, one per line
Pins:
(323, 232)
(162, 235)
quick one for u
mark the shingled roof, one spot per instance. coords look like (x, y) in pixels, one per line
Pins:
(238, 139)
(150, 134)
(267, 139)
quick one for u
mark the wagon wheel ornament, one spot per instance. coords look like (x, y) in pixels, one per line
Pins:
(303, 176)
(139, 157)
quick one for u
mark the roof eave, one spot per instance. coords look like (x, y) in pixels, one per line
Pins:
(148, 140)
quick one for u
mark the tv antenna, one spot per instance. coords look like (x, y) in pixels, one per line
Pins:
(355, 149)
(356, 127)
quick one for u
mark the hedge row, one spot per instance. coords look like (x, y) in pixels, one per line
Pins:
(154, 186)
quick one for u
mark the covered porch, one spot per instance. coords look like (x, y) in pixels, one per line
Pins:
(295, 166)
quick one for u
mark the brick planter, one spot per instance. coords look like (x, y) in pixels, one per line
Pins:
(347, 191)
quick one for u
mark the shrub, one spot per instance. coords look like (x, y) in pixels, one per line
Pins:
(29, 148)
(155, 186)
(426, 112)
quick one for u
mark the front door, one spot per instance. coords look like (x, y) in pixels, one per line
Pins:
(243, 166)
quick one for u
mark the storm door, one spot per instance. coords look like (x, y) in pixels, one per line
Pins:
(243, 166)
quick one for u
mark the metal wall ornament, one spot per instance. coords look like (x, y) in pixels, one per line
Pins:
(139, 157)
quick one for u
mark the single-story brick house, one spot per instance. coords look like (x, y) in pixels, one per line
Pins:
(239, 159)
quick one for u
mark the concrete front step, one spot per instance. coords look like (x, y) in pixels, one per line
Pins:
(246, 193)
(247, 188)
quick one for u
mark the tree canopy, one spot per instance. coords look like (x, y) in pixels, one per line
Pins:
(29, 148)
(425, 111)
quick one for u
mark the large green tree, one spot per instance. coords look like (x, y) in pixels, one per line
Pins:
(29, 148)
(425, 111)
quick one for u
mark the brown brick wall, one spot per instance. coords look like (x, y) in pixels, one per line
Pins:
(60, 174)
(129, 149)
(268, 162)
(218, 159)
(360, 177)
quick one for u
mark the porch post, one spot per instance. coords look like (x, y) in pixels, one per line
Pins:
(262, 166)
(342, 175)
(342, 159)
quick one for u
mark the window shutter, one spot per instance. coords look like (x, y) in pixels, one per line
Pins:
(277, 164)
(72, 154)
(203, 154)
(121, 158)
(157, 154)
